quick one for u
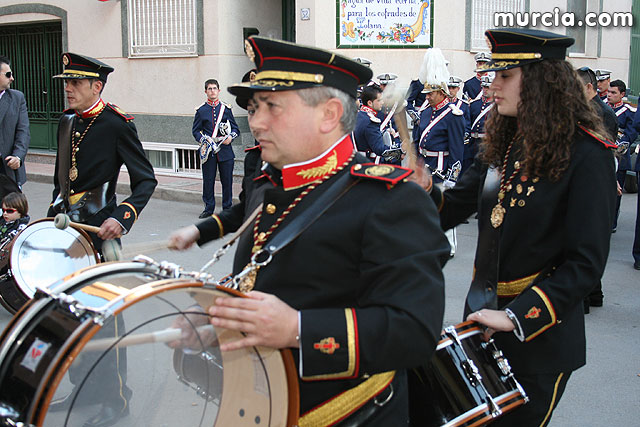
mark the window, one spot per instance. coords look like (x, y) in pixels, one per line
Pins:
(162, 28)
(482, 12)
(586, 37)
(182, 159)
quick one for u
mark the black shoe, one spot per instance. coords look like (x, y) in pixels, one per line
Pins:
(614, 229)
(636, 265)
(205, 214)
(107, 416)
(595, 302)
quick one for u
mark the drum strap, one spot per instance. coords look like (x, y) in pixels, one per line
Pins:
(64, 156)
(346, 403)
(483, 291)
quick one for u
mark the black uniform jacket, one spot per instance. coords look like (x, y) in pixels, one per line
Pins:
(366, 275)
(560, 228)
(111, 142)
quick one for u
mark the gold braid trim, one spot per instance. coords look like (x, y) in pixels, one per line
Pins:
(219, 225)
(290, 75)
(347, 402)
(515, 287)
(80, 73)
(516, 56)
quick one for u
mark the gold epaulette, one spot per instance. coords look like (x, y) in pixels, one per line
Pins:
(126, 116)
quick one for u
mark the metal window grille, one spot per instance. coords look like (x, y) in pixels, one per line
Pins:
(183, 159)
(482, 18)
(188, 160)
(162, 28)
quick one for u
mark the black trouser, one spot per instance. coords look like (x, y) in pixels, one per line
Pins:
(109, 376)
(103, 375)
(620, 177)
(544, 391)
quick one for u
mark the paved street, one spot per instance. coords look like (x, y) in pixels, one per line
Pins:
(604, 393)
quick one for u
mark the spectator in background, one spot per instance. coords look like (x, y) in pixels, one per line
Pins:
(14, 126)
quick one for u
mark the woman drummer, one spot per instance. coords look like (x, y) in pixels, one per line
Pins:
(544, 189)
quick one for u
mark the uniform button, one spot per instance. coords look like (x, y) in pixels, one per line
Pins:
(271, 209)
(80, 121)
(357, 167)
(77, 134)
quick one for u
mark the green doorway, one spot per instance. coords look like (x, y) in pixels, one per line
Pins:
(35, 51)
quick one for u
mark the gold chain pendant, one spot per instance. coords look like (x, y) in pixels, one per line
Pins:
(248, 281)
(73, 173)
(497, 215)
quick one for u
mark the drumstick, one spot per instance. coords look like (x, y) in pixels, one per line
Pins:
(165, 335)
(393, 95)
(137, 248)
(62, 221)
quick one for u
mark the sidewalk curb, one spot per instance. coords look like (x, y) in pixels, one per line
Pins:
(161, 192)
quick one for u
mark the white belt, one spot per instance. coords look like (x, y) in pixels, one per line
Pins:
(428, 153)
(439, 154)
(371, 156)
(477, 135)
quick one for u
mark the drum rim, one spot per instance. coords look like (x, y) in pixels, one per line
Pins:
(82, 236)
(479, 410)
(468, 328)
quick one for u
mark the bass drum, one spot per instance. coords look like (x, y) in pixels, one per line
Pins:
(38, 256)
(467, 383)
(102, 333)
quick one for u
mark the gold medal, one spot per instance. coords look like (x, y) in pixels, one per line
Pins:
(248, 281)
(497, 215)
(73, 173)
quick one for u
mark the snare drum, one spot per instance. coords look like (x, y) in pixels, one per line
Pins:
(38, 256)
(58, 333)
(467, 383)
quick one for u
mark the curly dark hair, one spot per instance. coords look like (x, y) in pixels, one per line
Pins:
(552, 104)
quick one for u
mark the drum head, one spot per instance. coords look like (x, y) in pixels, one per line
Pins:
(42, 254)
(197, 385)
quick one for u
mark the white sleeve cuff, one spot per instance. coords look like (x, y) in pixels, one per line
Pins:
(518, 330)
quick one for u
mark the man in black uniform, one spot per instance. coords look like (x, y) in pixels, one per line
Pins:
(94, 140)
(355, 295)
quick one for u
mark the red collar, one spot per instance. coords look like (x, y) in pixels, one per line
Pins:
(213, 103)
(442, 104)
(93, 111)
(368, 110)
(301, 174)
(618, 105)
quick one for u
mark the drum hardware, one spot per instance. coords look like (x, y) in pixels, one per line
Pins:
(244, 280)
(74, 306)
(224, 248)
(386, 400)
(498, 356)
(170, 270)
(472, 372)
(202, 391)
